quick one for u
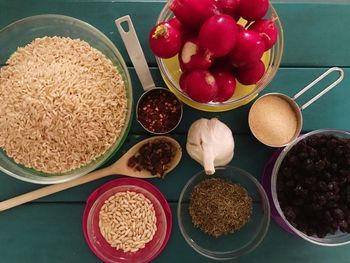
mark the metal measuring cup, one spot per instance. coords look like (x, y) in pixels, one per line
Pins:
(295, 107)
(138, 59)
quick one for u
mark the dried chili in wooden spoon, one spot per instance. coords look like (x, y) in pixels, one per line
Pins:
(119, 167)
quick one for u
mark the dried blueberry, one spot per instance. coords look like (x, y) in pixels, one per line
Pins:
(310, 231)
(287, 172)
(328, 217)
(322, 200)
(324, 151)
(339, 151)
(310, 180)
(316, 206)
(320, 165)
(322, 186)
(334, 167)
(293, 161)
(289, 213)
(302, 155)
(322, 231)
(332, 204)
(343, 225)
(298, 201)
(330, 186)
(328, 176)
(338, 214)
(316, 193)
(290, 183)
(308, 165)
(280, 186)
(332, 143)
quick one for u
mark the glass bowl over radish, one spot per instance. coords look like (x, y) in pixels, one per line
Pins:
(217, 55)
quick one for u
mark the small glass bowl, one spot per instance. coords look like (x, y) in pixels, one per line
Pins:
(339, 238)
(171, 72)
(233, 245)
(97, 242)
(24, 31)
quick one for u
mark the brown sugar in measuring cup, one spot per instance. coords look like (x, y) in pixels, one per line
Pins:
(279, 126)
(276, 120)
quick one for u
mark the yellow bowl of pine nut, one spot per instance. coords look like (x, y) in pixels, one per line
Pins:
(127, 220)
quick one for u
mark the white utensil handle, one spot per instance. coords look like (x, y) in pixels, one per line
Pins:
(135, 52)
(328, 88)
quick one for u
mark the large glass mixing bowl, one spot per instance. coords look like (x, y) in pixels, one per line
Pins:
(21, 33)
(171, 72)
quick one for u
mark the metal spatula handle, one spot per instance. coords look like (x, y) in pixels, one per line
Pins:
(324, 91)
(135, 52)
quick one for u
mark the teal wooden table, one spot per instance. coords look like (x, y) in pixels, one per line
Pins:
(316, 37)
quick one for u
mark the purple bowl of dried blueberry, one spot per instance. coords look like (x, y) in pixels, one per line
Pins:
(311, 187)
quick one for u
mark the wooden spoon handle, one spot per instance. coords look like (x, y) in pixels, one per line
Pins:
(48, 190)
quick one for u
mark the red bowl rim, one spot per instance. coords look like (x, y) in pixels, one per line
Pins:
(122, 182)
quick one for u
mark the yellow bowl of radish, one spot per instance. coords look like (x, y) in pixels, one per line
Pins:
(211, 64)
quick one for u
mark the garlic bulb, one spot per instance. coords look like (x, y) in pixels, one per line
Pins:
(210, 142)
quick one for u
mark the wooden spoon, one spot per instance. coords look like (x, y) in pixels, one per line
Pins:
(119, 167)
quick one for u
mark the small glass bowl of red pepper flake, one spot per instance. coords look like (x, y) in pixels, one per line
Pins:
(159, 111)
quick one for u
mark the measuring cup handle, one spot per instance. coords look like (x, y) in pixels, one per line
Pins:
(135, 52)
(328, 88)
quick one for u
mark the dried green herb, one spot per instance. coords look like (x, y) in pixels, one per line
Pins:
(219, 207)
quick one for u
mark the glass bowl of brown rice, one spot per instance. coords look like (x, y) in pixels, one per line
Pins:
(65, 99)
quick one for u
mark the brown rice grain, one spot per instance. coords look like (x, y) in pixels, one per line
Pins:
(63, 104)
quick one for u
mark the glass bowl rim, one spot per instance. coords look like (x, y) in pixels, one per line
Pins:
(109, 187)
(237, 102)
(232, 254)
(275, 170)
(77, 172)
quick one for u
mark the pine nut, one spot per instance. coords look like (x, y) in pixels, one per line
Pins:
(127, 221)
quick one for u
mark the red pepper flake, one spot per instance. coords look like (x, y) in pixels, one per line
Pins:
(159, 111)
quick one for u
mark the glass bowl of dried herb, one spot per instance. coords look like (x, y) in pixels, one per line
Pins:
(225, 215)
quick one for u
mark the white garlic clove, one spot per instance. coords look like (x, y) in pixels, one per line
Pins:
(208, 159)
(210, 142)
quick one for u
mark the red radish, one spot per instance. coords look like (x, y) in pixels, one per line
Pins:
(193, 13)
(226, 85)
(267, 30)
(201, 86)
(229, 7)
(182, 82)
(251, 74)
(175, 23)
(249, 48)
(223, 63)
(218, 35)
(253, 10)
(240, 28)
(185, 32)
(193, 57)
(165, 40)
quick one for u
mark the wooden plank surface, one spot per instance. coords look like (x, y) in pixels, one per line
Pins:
(170, 186)
(52, 233)
(316, 34)
(317, 37)
(331, 111)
